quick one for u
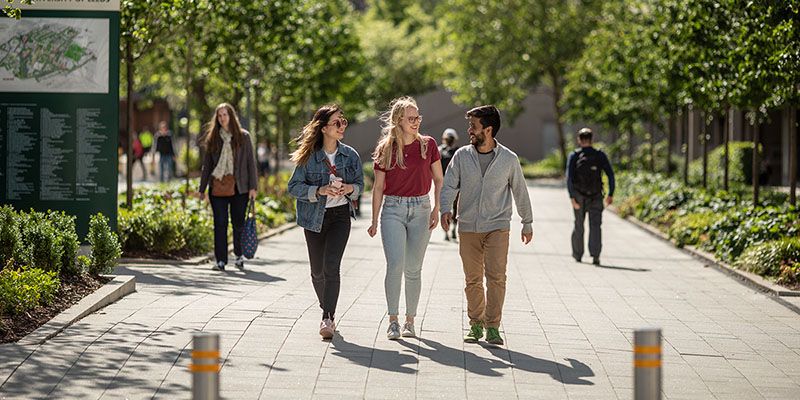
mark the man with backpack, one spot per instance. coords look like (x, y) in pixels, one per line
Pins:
(585, 186)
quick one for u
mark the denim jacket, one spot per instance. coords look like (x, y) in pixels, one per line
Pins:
(307, 178)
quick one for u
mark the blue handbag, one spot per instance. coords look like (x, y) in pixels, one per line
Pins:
(250, 235)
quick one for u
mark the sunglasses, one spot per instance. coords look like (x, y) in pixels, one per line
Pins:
(339, 123)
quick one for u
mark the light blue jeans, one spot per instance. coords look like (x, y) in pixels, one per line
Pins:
(405, 236)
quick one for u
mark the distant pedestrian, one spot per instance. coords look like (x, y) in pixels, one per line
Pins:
(166, 152)
(138, 155)
(327, 177)
(585, 187)
(405, 164)
(447, 148)
(229, 168)
(262, 155)
(486, 175)
(146, 137)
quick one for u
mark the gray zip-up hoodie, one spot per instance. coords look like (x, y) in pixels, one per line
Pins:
(484, 204)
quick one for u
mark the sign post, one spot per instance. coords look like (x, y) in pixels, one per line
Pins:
(59, 108)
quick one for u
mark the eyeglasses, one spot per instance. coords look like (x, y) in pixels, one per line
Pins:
(339, 123)
(414, 120)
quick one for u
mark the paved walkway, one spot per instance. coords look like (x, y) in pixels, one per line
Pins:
(567, 328)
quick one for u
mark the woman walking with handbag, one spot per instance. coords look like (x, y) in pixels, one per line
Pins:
(405, 164)
(229, 167)
(327, 177)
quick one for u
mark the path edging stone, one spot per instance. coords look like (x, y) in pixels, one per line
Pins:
(119, 287)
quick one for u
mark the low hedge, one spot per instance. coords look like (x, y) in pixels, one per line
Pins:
(740, 168)
(46, 241)
(160, 224)
(22, 290)
(548, 167)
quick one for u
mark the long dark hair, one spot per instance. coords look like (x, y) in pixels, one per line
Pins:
(212, 140)
(310, 139)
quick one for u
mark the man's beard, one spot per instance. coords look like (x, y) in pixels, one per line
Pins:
(477, 140)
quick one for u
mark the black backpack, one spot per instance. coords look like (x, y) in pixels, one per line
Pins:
(587, 180)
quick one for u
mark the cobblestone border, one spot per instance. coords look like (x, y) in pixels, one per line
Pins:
(751, 279)
(119, 287)
(205, 257)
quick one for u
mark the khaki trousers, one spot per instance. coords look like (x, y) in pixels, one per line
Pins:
(485, 254)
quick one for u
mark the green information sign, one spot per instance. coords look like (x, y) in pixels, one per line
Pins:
(59, 109)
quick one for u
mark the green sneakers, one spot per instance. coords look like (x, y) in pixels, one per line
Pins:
(493, 336)
(475, 334)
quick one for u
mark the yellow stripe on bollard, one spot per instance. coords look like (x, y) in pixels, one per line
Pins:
(647, 363)
(205, 354)
(647, 349)
(204, 368)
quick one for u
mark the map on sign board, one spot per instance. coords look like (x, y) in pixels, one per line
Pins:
(54, 55)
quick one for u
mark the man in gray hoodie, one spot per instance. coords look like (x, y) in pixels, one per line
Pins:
(486, 175)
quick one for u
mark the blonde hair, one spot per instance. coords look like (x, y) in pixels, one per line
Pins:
(310, 138)
(390, 135)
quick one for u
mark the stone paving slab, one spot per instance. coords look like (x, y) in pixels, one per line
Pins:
(568, 327)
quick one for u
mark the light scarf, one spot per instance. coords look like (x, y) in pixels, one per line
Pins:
(225, 164)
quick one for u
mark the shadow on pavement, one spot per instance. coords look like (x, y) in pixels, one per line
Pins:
(387, 360)
(623, 268)
(65, 368)
(571, 374)
(194, 280)
(395, 361)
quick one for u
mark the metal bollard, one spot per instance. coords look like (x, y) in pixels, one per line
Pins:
(205, 366)
(647, 364)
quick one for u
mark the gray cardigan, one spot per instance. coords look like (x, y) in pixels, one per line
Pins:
(484, 204)
(244, 166)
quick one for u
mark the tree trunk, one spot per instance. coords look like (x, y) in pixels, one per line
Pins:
(652, 147)
(756, 160)
(236, 101)
(562, 145)
(279, 138)
(670, 142)
(129, 124)
(793, 131)
(201, 97)
(705, 139)
(687, 138)
(726, 161)
(188, 115)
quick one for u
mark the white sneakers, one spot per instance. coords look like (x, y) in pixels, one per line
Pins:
(394, 332)
(327, 328)
(408, 330)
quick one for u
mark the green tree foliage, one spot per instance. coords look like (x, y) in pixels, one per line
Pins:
(500, 50)
(287, 56)
(400, 50)
(11, 11)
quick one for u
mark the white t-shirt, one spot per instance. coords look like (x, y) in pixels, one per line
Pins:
(334, 201)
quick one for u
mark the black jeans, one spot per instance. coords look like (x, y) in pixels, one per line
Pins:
(238, 209)
(594, 207)
(325, 250)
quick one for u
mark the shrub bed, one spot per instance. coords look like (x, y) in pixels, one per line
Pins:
(727, 224)
(161, 225)
(41, 273)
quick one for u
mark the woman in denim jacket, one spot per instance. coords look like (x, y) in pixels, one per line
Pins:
(327, 177)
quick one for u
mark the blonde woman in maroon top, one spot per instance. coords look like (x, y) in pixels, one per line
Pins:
(405, 164)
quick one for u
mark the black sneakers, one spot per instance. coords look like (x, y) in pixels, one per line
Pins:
(596, 260)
